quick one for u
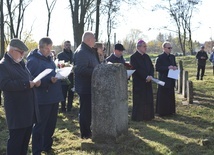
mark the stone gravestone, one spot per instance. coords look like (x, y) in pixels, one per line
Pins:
(109, 102)
(180, 79)
(184, 87)
(189, 92)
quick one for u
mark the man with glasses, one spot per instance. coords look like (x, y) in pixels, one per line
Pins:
(165, 103)
(20, 102)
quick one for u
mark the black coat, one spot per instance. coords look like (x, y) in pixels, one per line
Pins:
(20, 101)
(85, 60)
(162, 63)
(165, 103)
(67, 57)
(201, 62)
(143, 106)
(113, 59)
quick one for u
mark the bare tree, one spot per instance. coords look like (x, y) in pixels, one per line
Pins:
(2, 29)
(16, 16)
(112, 8)
(50, 9)
(97, 18)
(80, 11)
(131, 39)
(181, 12)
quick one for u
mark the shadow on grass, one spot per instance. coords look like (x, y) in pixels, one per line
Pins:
(125, 145)
(170, 136)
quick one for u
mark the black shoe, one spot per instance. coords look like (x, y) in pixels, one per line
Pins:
(201, 78)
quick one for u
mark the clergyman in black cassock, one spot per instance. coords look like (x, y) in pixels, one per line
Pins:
(143, 105)
(165, 103)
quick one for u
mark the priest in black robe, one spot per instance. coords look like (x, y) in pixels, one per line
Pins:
(143, 105)
(165, 103)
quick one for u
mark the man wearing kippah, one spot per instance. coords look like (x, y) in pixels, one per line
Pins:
(20, 101)
(143, 106)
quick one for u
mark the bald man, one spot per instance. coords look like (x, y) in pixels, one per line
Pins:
(85, 60)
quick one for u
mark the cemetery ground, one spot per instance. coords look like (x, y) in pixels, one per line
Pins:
(189, 132)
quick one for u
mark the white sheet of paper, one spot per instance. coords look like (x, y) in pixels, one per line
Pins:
(130, 72)
(173, 74)
(42, 74)
(63, 73)
(162, 83)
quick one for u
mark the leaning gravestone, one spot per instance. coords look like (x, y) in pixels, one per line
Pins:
(109, 102)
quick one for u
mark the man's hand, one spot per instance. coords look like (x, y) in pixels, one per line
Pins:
(149, 78)
(38, 83)
(54, 79)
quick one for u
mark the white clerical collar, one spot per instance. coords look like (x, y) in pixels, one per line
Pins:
(140, 52)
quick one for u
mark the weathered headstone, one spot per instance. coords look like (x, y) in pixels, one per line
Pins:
(189, 92)
(180, 79)
(184, 87)
(109, 102)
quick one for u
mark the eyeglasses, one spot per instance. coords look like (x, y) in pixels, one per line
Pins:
(21, 52)
(169, 48)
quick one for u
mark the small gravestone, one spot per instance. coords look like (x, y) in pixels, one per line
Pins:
(189, 92)
(109, 102)
(184, 87)
(180, 79)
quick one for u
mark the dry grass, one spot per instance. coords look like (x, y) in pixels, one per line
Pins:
(181, 134)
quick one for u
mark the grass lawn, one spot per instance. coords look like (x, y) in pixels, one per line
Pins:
(182, 134)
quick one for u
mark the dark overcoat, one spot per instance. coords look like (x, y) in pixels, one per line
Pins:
(20, 101)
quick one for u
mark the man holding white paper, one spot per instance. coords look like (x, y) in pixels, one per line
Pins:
(49, 95)
(165, 103)
(143, 105)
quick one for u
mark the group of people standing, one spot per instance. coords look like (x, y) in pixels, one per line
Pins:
(31, 107)
(143, 104)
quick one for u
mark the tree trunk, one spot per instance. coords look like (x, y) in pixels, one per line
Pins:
(2, 29)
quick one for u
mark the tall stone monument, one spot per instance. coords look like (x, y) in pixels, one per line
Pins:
(109, 102)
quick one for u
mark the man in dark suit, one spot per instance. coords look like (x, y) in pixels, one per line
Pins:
(85, 60)
(20, 101)
(117, 56)
(165, 103)
(201, 56)
(67, 84)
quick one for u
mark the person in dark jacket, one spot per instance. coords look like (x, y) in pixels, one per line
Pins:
(201, 56)
(67, 56)
(165, 103)
(20, 101)
(143, 105)
(85, 60)
(211, 59)
(0, 97)
(49, 95)
(117, 56)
